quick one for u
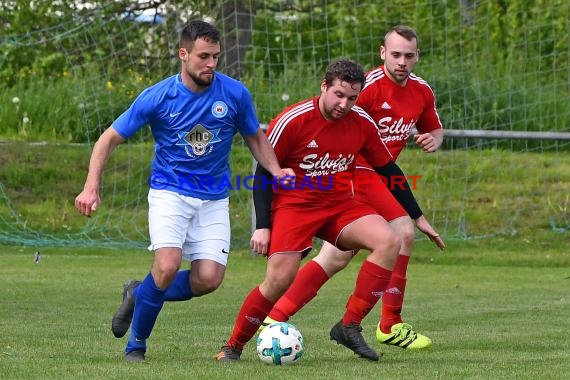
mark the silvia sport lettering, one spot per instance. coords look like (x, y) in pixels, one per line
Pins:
(320, 166)
(395, 130)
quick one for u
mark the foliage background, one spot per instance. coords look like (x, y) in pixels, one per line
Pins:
(493, 64)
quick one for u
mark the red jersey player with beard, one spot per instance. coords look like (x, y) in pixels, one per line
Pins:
(320, 139)
(398, 101)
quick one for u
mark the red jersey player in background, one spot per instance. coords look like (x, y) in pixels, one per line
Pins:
(320, 139)
(398, 101)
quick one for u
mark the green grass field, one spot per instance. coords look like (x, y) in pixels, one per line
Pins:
(496, 309)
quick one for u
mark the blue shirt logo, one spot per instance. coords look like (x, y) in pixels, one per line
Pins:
(219, 109)
(198, 141)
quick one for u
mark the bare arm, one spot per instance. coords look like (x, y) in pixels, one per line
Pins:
(431, 141)
(88, 200)
(403, 194)
(267, 166)
(263, 152)
(265, 155)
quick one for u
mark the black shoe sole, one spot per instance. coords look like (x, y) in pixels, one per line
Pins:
(135, 356)
(120, 324)
(335, 337)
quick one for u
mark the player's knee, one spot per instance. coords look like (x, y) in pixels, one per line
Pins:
(164, 272)
(165, 265)
(389, 244)
(333, 262)
(393, 243)
(386, 251)
(405, 229)
(167, 268)
(205, 284)
(278, 283)
(407, 234)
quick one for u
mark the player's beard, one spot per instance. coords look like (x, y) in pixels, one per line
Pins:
(201, 81)
(399, 76)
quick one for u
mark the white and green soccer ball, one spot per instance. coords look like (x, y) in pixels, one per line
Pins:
(280, 343)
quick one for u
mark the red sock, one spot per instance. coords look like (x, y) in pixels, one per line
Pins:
(253, 311)
(370, 283)
(309, 280)
(393, 297)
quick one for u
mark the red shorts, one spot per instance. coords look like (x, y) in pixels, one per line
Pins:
(369, 188)
(293, 227)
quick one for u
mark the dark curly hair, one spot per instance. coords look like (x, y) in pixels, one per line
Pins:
(346, 70)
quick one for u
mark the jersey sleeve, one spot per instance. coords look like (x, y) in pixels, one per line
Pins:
(375, 152)
(280, 137)
(366, 98)
(429, 119)
(136, 116)
(247, 122)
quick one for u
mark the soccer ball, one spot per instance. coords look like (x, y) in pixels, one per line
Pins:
(280, 343)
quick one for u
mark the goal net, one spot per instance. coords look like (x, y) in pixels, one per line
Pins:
(68, 69)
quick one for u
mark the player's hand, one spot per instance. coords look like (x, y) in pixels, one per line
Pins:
(259, 242)
(87, 201)
(428, 142)
(285, 177)
(424, 226)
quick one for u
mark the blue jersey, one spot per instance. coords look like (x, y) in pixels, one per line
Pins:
(193, 133)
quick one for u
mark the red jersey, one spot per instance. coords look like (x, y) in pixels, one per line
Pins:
(397, 110)
(322, 152)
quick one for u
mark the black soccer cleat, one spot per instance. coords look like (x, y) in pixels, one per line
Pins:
(124, 315)
(351, 337)
(135, 356)
(228, 354)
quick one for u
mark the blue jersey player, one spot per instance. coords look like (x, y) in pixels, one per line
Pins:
(193, 117)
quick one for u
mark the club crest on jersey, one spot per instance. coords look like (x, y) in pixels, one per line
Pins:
(219, 109)
(199, 141)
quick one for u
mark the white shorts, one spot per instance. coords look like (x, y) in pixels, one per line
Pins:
(200, 227)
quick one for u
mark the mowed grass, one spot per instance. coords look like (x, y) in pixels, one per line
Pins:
(493, 318)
